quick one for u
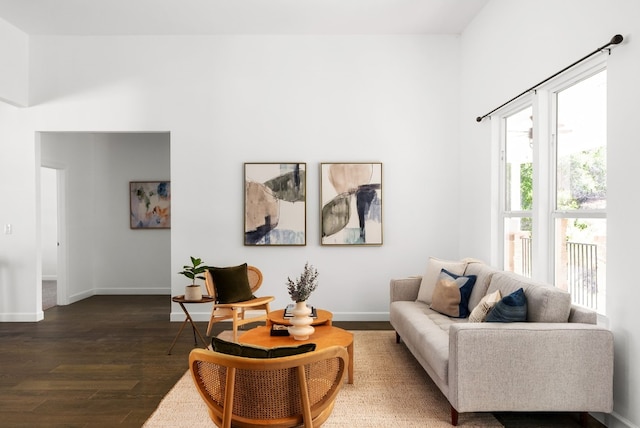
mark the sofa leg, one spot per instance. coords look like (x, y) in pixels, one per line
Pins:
(454, 417)
(584, 419)
(397, 337)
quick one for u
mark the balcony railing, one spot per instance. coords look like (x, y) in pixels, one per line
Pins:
(582, 273)
(526, 257)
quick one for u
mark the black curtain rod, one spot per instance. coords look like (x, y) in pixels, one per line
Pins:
(615, 40)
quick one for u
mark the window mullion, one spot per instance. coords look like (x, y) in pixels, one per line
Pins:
(541, 263)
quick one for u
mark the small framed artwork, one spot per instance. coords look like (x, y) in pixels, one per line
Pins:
(351, 201)
(150, 204)
(275, 204)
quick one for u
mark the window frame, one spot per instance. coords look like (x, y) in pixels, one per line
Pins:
(544, 212)
(503, 213)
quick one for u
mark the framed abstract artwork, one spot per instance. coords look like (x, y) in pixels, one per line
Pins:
(351, 201)
(275, 204)
(150, 204)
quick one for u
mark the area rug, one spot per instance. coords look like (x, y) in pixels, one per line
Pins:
(390, 389)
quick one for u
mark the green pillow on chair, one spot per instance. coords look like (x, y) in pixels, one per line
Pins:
(232, 283)
(232, 348)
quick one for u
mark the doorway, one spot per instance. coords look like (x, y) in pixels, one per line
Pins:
(98, 252)
(52, 227)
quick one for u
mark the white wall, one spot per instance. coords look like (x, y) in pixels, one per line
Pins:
(104, 255)
(229, 100)
(20, 263)
(14, 65)
(508, 48)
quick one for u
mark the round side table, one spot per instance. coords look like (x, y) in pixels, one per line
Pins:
(181, 301)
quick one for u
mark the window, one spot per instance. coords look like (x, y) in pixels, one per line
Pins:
(580, 224)
(518, 191)
(553, 182)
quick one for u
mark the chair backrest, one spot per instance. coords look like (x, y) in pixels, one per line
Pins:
(253, 274)
(256, 392)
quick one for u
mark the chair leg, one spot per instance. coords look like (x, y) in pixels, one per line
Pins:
(454, 417)
(210, 327)
(234, 322)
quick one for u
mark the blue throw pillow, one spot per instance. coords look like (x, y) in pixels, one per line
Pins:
(512, 308)
(451, 294)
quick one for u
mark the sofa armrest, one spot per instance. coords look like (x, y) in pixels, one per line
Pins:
(530, 367)
(582, 315)
(405, 288)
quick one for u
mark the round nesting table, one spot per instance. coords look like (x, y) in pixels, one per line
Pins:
(277, 317)
(324, 336)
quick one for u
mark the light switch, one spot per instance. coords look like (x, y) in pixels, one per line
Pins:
(8, 229)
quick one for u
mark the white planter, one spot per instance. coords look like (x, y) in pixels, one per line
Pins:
(193, 293)
(301, 327)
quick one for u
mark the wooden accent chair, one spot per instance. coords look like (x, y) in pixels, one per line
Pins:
(298, 390)
(236, 311)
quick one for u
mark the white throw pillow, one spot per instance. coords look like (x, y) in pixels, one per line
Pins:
(479, 313)
(430, 277)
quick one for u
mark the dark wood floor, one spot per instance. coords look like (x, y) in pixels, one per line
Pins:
(102, 362)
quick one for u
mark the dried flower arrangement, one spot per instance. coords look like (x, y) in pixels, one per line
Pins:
(301, 289)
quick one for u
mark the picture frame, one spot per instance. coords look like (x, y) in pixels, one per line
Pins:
(150, 204)
(275, 204)
(351, 203)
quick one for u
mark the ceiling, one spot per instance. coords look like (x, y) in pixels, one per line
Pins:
(211, 17)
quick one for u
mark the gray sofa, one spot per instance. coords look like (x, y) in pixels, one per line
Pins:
(559, 360)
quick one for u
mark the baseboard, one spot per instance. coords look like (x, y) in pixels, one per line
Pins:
(22, 316)
(131, 291)
(614, 420)
(361, 316)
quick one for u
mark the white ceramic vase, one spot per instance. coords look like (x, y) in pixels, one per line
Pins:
(301, 327)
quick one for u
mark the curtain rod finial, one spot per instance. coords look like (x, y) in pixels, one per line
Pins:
(479, 119)
(617, 39)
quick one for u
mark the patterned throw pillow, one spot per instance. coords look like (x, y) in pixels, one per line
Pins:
(451, 295)
(512, 308)
(479, 313)
(430, 277)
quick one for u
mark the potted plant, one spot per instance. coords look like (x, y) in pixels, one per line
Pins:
(300, 290)
(193, 291)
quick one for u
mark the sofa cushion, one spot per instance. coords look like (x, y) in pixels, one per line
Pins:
(545, 303)
(251, 351)
(451, 294)
(479, 313)
(430, 277)
(483, 274)
(511, 308)
(426, 332)
(232, 283)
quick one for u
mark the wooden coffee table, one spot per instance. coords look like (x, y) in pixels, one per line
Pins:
(277, 317)
(324, 336)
